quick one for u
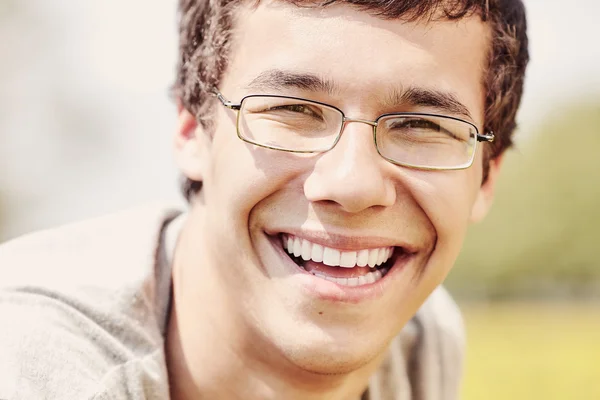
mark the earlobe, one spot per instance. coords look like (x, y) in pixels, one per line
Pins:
(188, 145)
(485, 196)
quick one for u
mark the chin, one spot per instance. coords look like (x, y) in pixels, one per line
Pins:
(326, 361)
(322, 352)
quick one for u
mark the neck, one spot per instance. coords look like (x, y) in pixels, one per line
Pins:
(213, 353)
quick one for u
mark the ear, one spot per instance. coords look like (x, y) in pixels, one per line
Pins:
(485, 197)
(189, 145)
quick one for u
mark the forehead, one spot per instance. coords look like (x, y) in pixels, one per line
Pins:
(363, 56)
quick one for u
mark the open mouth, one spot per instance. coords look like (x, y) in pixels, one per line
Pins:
(347, 268)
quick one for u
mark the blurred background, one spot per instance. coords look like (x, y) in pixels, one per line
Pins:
(86, 125)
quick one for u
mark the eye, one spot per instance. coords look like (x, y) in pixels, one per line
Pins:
(415, 123)
(427, 128)
(304, 109)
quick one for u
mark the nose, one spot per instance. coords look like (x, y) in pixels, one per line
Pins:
(352, 174)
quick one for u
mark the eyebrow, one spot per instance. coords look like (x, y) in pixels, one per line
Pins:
(446, 102)
(277, 80)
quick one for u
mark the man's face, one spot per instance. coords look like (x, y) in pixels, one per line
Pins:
(348, 199)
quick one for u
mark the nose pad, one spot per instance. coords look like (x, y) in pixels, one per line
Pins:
(352, 174)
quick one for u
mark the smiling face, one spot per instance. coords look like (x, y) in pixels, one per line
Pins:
(369, 240)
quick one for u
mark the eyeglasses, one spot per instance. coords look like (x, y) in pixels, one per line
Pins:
(414, 140)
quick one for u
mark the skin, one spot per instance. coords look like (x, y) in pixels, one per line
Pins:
(245, 322)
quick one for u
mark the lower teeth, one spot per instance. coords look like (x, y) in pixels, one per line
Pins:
(366, 279)
(370, 277)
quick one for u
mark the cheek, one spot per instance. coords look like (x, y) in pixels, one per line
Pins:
(243, 175)
(447, 198)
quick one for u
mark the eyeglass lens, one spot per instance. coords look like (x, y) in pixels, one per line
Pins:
(300, 125)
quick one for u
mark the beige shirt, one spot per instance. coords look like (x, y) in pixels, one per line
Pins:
(83, 312)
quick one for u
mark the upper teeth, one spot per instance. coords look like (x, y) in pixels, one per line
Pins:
(333, 257)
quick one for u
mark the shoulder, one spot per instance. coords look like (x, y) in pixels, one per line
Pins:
(55, 349)
(85, 252)
(440, 347)
(425, 360)
(440, 313)
(81, 301)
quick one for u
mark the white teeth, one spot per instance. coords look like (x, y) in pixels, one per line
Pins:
(383, 256)
(306, 250)
(362, 258)
(366, 279)
(297, 247)
(317, 253)
(341, 281)
(373, 256)
(333, 257)
(348, 259)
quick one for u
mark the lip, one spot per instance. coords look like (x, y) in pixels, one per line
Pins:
(329, 291)
(343, 242)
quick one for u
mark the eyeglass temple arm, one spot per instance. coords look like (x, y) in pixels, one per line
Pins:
(487, 137)
(226, 102)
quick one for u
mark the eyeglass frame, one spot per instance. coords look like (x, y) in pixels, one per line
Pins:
(486, 138)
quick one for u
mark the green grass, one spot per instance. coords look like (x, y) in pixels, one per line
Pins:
(532, 351)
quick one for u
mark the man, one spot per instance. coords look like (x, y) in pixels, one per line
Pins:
(334, 155)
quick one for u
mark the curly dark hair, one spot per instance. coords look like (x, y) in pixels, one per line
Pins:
(204, 41)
